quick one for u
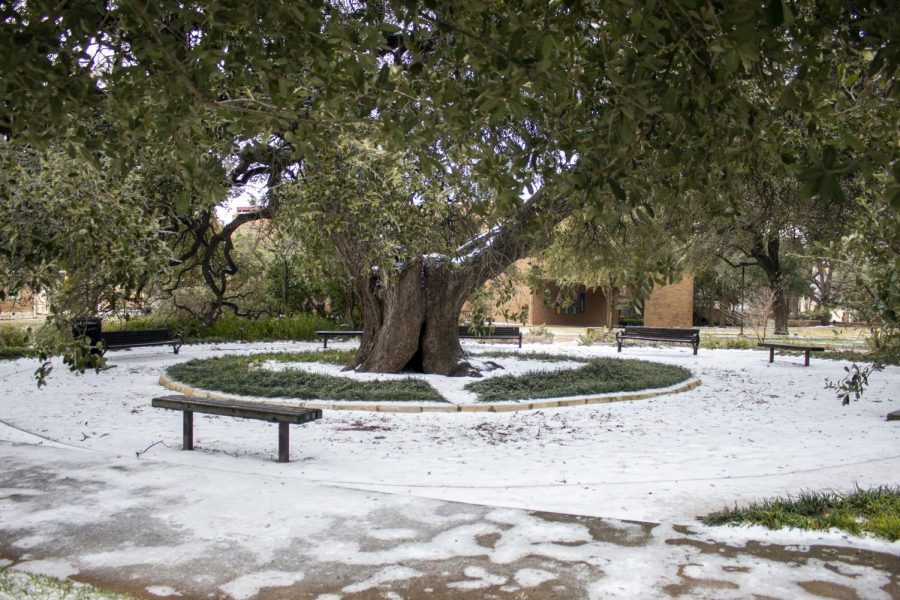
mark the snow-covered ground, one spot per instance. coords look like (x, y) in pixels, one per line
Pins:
(750, 431)
(753, 429)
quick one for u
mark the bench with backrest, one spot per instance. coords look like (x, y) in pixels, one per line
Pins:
(131, 338)
(502, 332)
(273, 413)
(659, 334)
(492, 332)
(325, 334)
(126, 338)
(792, 347)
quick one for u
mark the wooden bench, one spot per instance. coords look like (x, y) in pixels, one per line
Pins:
(126, 338)
(325, 334)
(805, 349)
(659, 334)
(283, 415)
(131, 338)
(492, 332)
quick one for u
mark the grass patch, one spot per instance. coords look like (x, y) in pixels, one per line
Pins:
(541, 356)
(875, 511)
(243, 375)
(599, 376)
(16, 584)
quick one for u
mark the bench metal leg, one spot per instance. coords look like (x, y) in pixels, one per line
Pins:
(188, 430)
(324, 341)
(771, 354)
(806, 358)
(284, 442)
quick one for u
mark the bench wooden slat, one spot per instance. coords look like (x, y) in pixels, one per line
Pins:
(659, 334)
(495, 332)
(239, 409)
(128, 338)
(283, 415)
(326, 333)
(796, 347)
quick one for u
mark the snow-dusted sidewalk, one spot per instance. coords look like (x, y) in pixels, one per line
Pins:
(227, 519)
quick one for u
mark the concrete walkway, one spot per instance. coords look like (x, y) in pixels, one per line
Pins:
(156, 529)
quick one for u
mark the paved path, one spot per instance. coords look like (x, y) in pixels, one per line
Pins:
(157, 529)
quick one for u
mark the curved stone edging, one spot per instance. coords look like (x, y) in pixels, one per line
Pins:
(406, 407)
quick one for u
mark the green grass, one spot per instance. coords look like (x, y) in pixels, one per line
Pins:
(599, 376)
(243, 375)
(875, 511)
(15, 584)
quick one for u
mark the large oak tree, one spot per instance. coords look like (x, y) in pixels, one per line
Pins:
(544, 107)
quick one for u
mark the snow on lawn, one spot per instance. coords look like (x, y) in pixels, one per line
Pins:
(752, 430)
(451, 388)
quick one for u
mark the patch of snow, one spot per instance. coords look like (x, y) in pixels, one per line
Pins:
(163, 591)
(59, 569)
(392, 534)
(532, 577)
(247, 586)
(385, 575)
(479, 579)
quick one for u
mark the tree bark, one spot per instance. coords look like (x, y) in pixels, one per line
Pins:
(767, 254)
(411, 311)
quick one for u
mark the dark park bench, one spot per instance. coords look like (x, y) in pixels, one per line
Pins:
(659, 334)
(325, 334)
(126, 338)
(492, 332)
(283, 415)
(504, 332)
(131, 338)
(791, 347)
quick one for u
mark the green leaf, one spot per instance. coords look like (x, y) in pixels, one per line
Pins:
(775, 13)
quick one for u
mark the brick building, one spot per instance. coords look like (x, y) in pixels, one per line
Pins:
(667, 306)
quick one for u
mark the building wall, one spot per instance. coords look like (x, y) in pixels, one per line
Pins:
(671, 305)
(589, 313)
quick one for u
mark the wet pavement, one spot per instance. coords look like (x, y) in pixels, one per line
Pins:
(156, 529)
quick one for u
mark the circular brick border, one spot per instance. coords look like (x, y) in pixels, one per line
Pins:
(408, 407)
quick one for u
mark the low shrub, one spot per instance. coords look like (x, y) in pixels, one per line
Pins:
(14, 352)
(301, 327)
(599, 376)
(538, 334)
(597, 335)
(727, 343)
(14, 336)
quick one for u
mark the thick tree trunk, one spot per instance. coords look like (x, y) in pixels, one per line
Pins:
(411, 319)
(411, 312)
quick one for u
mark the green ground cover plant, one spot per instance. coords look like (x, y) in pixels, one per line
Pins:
(599, 376)
(241, 375)
(874, 511)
